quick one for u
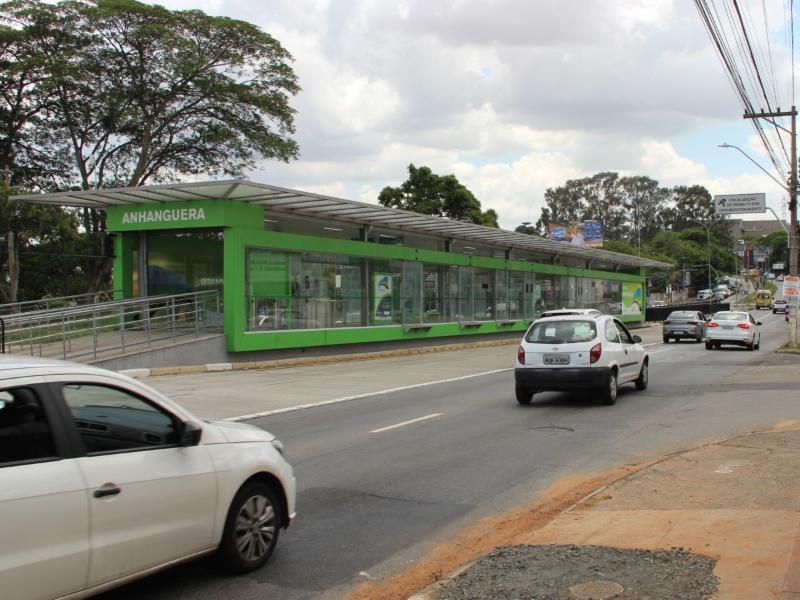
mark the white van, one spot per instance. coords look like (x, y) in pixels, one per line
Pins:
(704, 294)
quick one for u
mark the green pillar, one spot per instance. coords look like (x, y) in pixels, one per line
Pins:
(124, 245)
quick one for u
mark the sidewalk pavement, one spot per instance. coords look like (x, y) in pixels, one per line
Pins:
(736, 501)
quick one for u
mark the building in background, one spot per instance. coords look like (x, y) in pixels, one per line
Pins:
(296, 270)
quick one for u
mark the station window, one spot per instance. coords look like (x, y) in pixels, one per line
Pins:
(311, 290)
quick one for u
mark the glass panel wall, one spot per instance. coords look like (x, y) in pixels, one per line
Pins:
(308, 290)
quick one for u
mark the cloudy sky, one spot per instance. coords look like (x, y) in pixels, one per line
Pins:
(512, 96)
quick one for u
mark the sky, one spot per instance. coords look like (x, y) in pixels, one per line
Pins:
(512, 96)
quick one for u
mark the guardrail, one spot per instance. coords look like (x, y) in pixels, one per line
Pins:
(659, 313)
(56, 302)
(115, 326)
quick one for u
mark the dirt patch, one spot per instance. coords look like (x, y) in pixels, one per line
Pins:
(567, 572)
(488, 534)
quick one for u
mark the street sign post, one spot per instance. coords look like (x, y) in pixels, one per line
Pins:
(732, 204)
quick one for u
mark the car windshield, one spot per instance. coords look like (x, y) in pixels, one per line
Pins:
(763, 295)
(730, 316)
(562, 332)
(681, 314)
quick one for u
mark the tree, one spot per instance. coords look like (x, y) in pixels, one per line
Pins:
(136, 93)
(526, 228)
(598, 197)
(644, 199)
(441, 195)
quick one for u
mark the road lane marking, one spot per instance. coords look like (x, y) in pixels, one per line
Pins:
(404, 423)
(278, 411)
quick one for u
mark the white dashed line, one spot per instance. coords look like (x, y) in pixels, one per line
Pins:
(278, 411)
(404, 423)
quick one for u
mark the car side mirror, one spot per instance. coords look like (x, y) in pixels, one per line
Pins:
(637, 339)
(758, 322)
(190, 434)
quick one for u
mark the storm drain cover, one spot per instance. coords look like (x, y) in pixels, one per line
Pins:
(596, 590)
(551, 430)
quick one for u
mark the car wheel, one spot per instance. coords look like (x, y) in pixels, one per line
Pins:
(666, 340)
(611, 389)
(251, 529)
(709, 346)
(524, 395)
(641, 381)
(699, 337)
(751, 346)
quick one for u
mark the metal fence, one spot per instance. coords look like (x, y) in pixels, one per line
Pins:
(56, 302)
(110, 327)
(659, 313)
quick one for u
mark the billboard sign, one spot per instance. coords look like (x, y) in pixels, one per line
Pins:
(631, 298)
(584, 234)
(779, 266)
(791, 287)
(734, 204)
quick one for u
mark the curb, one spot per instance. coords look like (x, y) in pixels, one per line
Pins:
(284, 363)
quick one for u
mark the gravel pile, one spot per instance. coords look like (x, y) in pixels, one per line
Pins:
(548, 573)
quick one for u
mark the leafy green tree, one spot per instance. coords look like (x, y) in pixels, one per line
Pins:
(441, 195)
(129, 93)
(526, 228)
(599, 197)
(644, 199)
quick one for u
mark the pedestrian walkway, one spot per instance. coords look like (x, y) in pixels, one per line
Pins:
(735, 501)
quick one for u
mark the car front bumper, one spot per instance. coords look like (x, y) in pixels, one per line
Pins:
(556, 380)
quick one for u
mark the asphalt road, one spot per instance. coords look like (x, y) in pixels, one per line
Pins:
(376, 492)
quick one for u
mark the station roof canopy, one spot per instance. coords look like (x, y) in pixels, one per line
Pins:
(287, 201)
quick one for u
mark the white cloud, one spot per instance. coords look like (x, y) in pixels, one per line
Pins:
(512, 96)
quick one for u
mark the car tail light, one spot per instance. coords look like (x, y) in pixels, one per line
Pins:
(693, 322)
(595, 352)
(743, 325)
(712, 324)
(667, 322)
(521, 355)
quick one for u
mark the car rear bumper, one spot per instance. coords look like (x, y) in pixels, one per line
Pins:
(738, 340)
(689, 331)
(561, 379)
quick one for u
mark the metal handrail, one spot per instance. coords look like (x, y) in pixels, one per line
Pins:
(18, 307)
(117, 325)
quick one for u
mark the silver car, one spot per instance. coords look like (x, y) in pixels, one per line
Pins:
(685, 324)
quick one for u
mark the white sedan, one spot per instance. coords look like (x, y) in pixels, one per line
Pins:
(103, 480)
(733, 327)
(579, 352)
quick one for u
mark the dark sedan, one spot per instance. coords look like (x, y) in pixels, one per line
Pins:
(685, 324)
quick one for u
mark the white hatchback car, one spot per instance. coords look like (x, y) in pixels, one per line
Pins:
(579, 352)
(733, 327)
(103, 480)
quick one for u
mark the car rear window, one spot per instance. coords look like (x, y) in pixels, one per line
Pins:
(680, 314)
(729, 316)
(562, 332)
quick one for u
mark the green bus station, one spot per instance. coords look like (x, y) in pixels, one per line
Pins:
(300, 270)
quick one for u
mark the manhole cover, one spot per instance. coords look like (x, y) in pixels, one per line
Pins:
(596, 590)
(551, 430)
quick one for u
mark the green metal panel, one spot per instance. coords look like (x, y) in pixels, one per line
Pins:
(192, 214)
(124, 246)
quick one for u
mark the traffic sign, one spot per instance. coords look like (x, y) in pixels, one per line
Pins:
(732, 204)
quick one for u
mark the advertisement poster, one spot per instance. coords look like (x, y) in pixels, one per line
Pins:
(584, 234)
(381, 297)
(631, 298)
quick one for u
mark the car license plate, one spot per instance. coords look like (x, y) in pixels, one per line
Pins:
(556, 359)
(727, 326)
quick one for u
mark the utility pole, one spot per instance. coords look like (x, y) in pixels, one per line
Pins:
(792, 201)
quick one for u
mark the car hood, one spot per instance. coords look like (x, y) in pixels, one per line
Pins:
(241, 432)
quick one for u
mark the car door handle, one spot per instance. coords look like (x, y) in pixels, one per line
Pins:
(109, 489)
